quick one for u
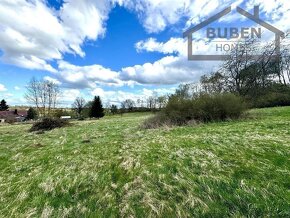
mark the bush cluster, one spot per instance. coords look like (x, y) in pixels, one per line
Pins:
(48, 124)
(272, 100)
(201, 108)
(274, 96)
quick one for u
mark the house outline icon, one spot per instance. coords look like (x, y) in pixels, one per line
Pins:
(254, 17)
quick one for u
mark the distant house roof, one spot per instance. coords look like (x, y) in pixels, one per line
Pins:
(5, 114)
(22, 113)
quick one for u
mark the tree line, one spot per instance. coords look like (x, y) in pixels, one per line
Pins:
(45, 98)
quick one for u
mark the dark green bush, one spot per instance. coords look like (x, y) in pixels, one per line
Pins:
(200, 108)
(272, 96)
(48, 124)
(272, 100)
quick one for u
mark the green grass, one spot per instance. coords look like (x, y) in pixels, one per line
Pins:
(111, 168)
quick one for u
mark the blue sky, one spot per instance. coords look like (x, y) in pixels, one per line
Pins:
(117, 49)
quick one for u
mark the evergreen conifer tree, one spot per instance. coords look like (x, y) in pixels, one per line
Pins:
(3, 105)
(97, 110)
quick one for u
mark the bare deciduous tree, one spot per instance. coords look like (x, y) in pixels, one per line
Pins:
(79, 105)
(151, 103)
(128, 104)
(162, 101)
(43, 94)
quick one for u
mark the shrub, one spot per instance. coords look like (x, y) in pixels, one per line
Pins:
(200, 108)
(48, 124)
(219, 107)
(31, 114)
(272, 100)
(272, 96)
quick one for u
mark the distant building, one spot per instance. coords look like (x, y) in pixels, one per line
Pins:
(12, 116)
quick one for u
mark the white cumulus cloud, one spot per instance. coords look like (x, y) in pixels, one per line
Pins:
(32, 34)
(86, 76)
(2, 88)
(174, 45)
(53, 80)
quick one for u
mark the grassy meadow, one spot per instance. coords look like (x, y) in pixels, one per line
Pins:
(112, 168)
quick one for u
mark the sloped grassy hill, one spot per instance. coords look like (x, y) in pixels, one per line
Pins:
(111, 168)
